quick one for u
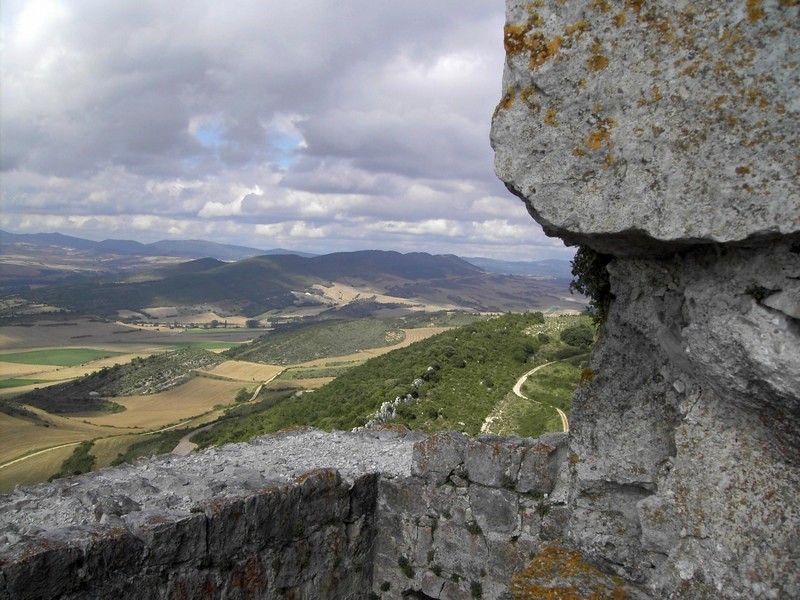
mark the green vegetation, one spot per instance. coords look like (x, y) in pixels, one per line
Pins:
(11, 383)
(149, 375)
(551, 387)
(62, 357)
(306, 342)
(455, 379)
(205, 345)
(580, 336)
(238, 421)
(592, 280)
(81, 461)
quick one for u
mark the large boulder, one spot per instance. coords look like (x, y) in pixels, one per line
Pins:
(648, 126)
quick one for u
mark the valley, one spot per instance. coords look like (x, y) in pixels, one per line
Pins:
(105, 369)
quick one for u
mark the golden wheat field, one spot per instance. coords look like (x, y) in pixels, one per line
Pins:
(19, 436)
(195, 397)
(241, 370)
(34, 469)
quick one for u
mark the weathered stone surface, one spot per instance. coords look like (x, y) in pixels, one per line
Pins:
(435, 458)
(493, 461)
(644, 127)
(271, 532)
(663, 133)
(540, 463)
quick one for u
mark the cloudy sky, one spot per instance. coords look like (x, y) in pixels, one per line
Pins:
(314, 125)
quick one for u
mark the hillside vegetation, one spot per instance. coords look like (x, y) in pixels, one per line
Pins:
(449, 381)
(306, 342)
(140, 377)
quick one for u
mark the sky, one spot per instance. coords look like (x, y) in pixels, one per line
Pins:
(312, 125)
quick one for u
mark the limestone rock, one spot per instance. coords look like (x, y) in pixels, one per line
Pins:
(664, 134)
(644, 127)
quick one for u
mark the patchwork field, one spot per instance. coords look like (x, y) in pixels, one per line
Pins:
(193, 398)
(18, 436)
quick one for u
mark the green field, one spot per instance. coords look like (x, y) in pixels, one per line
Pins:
(12, 383)
(62, 357)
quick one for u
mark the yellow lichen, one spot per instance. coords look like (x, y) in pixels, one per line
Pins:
(600, 5)
(595, 140)
(514, 38)
(743, 170)
(655, 93)
(619, 19)
(535, 20)
(518, 39)
(527, 95)
(541, 49)
(754, 11)
(560, 573)
(579, 27)
(597, 62)
(635, 5)
(550, 117)
(578, 151)
(507, 101)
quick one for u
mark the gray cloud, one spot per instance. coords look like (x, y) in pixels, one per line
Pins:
(313, 125)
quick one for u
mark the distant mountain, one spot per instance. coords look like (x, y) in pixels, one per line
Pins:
(180, 248)
(259, 284)
(553, 267)
(46, 239)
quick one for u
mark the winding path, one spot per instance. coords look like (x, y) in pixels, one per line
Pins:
(184, 446)
(518, 392)
(521, 382)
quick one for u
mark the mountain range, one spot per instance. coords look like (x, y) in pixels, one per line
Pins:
(106, 277)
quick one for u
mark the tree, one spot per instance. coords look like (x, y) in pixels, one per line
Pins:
(591, 279)
(580, 336)
(252, 323)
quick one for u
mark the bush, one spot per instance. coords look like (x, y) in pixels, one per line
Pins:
(580, 336)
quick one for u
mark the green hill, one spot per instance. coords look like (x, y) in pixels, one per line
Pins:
(452, 381)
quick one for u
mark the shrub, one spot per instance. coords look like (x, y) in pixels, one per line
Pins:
(580, 336)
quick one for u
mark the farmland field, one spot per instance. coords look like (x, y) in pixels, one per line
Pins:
(241, 370)
(19, 436)
(62, 357)
(195, 397)
(34, 469)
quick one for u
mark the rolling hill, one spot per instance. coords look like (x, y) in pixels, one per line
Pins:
(256, 285)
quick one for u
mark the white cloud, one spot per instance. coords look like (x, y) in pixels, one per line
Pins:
(315, 125)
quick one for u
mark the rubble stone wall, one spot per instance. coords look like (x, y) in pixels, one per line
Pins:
(383, 514)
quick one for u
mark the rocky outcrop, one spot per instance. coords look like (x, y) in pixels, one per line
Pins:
(652, 125)
(665, 134)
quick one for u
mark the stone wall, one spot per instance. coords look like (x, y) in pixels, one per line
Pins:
(245, 521)
(474, 512)
(383, 514)
(665, 134)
